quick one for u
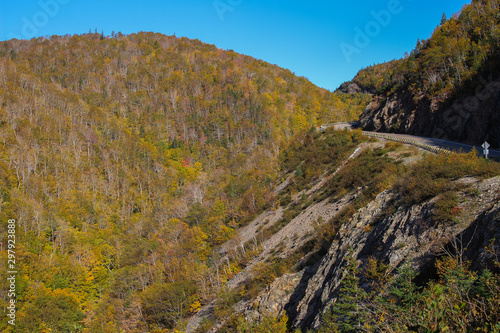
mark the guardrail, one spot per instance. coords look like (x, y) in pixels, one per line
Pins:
(325, 126)
(432, 148)
(408, 141)
(416, 143)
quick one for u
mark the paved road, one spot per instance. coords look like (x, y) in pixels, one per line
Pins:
(446, 144)
(439, 143)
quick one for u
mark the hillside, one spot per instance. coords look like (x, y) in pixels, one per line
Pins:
(447, 87)
(126, 161)
(370, 80)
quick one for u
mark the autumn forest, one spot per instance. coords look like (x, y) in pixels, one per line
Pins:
(130, 162)
(127, 160)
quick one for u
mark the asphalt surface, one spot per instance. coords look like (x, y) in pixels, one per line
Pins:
(439, 143)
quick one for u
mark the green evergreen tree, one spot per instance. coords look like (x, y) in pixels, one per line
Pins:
(443, 19)
(347, 313)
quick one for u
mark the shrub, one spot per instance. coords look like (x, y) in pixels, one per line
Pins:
(445, 208)
(435, 174)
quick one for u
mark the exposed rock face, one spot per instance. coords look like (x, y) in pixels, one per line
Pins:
(295, 234)
(407, 236)
(395, 113)
(274, 299)
(354, 88)
(470, 118)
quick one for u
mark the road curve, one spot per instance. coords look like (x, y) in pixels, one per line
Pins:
(438, 143)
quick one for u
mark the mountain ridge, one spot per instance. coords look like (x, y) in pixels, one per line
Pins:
(447, 87)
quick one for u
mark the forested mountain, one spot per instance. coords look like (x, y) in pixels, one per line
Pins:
(448, 86)
(127, 160)
(160, 184)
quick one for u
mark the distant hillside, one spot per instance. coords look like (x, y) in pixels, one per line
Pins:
(448, 86)
(370, 80)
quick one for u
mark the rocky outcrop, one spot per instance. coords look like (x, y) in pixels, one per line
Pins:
(355, 88)
(470, 118)
(292, 236)
(406, 237)
(276, 296)
(394, 113)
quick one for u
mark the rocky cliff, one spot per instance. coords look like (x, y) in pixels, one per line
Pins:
(468, 118)
(405, 237)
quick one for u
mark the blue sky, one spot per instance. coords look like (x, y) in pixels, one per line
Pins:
(325, 41)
